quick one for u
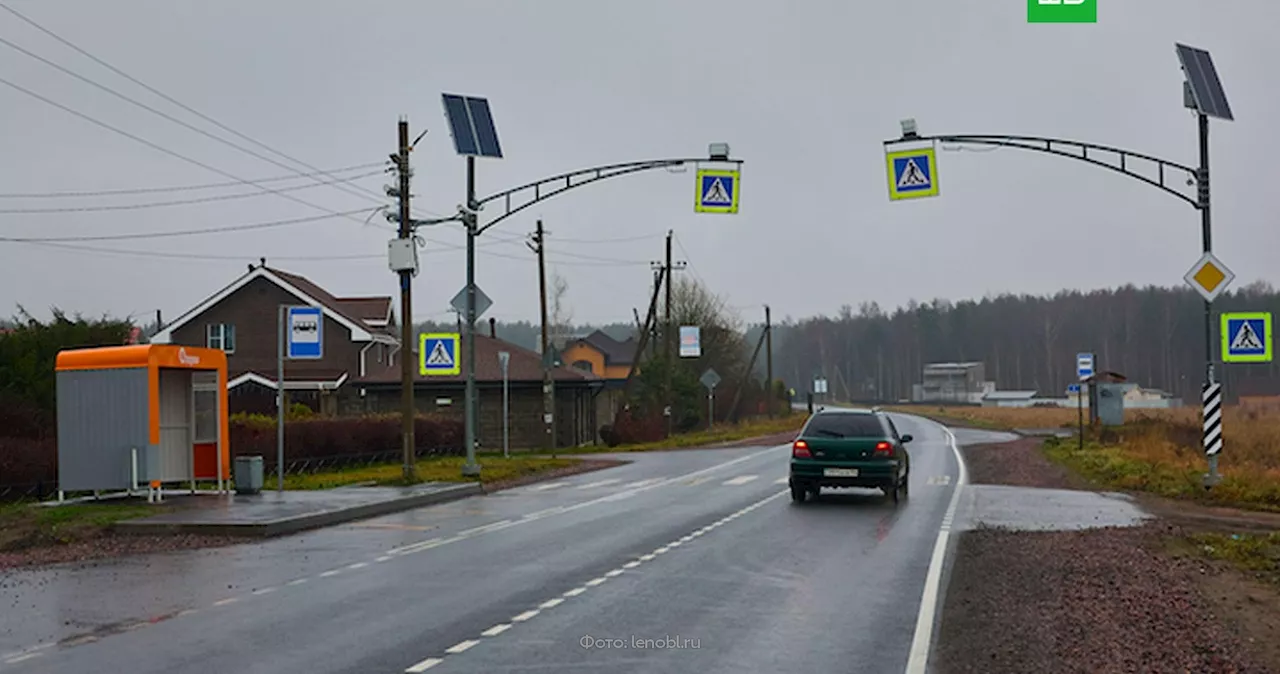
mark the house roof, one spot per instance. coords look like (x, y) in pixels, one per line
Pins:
(326, 380)
(525, 366)
(614, 352)
(346, 314)
(375, 311)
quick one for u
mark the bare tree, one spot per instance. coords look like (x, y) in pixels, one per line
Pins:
(561, 317)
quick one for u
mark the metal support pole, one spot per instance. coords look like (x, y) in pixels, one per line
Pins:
(471, 468)
(506, 414)
(1080, 413)
(280, 320)
(1206, 235)
(711, 408)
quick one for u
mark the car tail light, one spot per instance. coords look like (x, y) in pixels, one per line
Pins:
(800, 450)
(884, 448)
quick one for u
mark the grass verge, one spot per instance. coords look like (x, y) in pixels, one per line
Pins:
(494, 467)
(23, 525)
(745, 430)
(1257, 555)
(1145, 461)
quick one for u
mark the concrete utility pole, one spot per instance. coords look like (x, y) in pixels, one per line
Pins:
(768, 361)
(669, 343)
(407, 411)
(548, 386)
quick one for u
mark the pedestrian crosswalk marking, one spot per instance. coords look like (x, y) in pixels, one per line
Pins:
(741, 479)
(697, 481)
(600, 483)
(781, 480)
(550, 485)
(940, 480)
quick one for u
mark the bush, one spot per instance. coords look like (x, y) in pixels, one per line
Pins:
(26, 462)
(332, 438)
(630, 430)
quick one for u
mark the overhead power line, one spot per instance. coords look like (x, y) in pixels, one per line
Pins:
(184, 232)
(175, 188)
(165, 150)
(176, 202)
(170, 99)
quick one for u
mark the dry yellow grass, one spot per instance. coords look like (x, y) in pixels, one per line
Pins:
(1157, 451)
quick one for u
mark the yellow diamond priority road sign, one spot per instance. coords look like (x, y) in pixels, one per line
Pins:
(1209, 277)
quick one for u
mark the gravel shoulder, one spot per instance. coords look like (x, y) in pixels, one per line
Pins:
(1107, 600)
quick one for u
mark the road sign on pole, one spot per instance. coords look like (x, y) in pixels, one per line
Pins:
(1246, 337)
(438, 354)
(305, 333)
(1209, 277)
(1084, 365)
(912, 173)
(710, 379)
(690, 341)
(717, 191)
(459, 302)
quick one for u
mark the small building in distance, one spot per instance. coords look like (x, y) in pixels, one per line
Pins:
(958, 383)
(1010, 399)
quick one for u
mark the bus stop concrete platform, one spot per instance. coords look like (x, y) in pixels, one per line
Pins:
(271, 513)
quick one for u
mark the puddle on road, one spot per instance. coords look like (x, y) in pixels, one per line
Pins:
(1032, 509)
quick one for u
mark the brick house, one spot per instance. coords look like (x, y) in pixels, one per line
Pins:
(607, 358)
(577, 391)
(242, 319)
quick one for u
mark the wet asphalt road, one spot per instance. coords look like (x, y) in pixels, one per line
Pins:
(701, 551)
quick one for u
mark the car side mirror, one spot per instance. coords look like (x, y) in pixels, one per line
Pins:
(907, 438)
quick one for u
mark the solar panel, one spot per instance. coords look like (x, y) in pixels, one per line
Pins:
(1206, 88)
(471, 124)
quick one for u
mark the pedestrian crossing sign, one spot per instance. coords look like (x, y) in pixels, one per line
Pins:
(912, 173)
(1246, 337)
(438, 354)
(717, 191)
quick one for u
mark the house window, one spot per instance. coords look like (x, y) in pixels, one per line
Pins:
(584, 365)
(221, 336)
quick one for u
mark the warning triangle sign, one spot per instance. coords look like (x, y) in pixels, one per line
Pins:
(912, 176)
(440, 356)
(717, 194)
(1246, 339)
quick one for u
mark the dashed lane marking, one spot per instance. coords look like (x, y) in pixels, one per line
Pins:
(781, 480)
(741, 479)
(599, 483)
(550, 485)
(497, 630)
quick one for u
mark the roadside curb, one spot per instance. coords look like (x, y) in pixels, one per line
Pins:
(290, 525)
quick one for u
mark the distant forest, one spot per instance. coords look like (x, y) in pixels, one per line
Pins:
(1153, 335)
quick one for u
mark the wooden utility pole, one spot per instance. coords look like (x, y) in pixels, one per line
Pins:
(651, 317)
(669, 343)
(406, 312)
(548, 385)
(768, 361)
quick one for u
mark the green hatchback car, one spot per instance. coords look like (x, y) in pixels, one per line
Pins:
(849, 448)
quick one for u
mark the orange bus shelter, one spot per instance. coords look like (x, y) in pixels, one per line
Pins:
(142, 414)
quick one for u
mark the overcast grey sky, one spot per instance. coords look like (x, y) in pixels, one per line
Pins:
(804, 91)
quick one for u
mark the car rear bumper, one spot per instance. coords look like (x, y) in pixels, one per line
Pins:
(870, 475)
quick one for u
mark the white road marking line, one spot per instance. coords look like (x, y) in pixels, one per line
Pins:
(741, 479)
(575, 592)
(595, 581)
(661, 550)
(697, 481)
(614, 573)
(264, 590)
(496, 630)
(357, 565)
(22, 658)
(781, 480)
(415, 547)
(228, 600)
(331, 572)
(296, 581)
(502, 524)
(675, 544)
(599, 483)
(461, 646)
(641, 483)
(631, 565)
(549, 485)
(384, 558)
(645, 558)
(923, 639)
(551, 603)
(524, 616)
(423, 666)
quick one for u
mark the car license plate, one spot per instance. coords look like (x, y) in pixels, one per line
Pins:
(840, 472)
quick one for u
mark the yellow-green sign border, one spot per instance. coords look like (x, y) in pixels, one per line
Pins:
(732, 208)
(1267, 341)
(927, 152)
(456, 338)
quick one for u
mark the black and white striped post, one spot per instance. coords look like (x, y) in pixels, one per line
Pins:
(1212, 429)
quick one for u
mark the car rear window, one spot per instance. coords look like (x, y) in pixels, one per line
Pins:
(846, 426)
